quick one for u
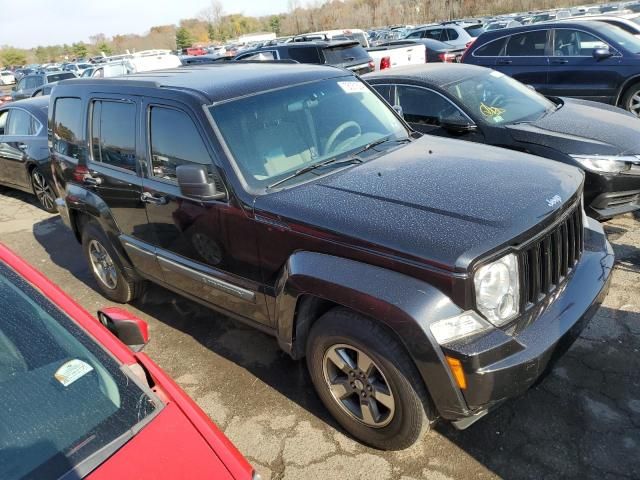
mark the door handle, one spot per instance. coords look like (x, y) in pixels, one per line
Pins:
(148, 197)
(505, 62)
(93, 181)
(559, 61)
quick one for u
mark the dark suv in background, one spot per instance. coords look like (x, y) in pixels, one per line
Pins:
(293, 198)
(347, 54)
(30, 83)
(588, 60)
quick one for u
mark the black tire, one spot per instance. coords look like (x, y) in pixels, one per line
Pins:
(412, 413)
(43, 191)
(631, 99)
(123, 289)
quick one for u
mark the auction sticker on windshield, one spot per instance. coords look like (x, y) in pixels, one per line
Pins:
(352, 87)
(72, 371)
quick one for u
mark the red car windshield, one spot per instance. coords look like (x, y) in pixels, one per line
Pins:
(66, 403)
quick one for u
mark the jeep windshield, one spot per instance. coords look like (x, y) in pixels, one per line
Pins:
(274, 134)
(498, 99)
(66, 403)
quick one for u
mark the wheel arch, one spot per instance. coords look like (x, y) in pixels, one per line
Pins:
(628, 83)
(313, 283)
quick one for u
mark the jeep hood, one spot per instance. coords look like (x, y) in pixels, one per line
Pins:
(581, 126)
(436, 200)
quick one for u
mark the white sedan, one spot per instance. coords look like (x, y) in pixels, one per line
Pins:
(7, 78)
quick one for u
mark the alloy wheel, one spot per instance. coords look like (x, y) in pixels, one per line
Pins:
(103, 265)
(358, 385)
(633, 105)
(43, 191)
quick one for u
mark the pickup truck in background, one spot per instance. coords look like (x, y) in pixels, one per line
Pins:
(390, 56)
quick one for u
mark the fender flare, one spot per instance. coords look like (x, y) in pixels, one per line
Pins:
(80, 200)
(406, 305)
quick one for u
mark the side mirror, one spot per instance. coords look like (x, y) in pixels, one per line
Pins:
(458, 125)
(602, 53)
(194, 182)
(130, 330)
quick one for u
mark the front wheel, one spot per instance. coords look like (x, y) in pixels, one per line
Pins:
(631, 100)
(43, 191)
(367, 381)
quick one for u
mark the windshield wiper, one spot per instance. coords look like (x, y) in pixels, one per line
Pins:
(309, 168)
(353, 158)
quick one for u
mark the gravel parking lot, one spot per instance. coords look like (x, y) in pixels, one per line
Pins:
(583, 421)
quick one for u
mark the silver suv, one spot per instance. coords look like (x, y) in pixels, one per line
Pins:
(455, 34)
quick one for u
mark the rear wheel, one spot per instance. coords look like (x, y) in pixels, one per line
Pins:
(43, 191)
(631, 100)
(367, 381)
(111, 279)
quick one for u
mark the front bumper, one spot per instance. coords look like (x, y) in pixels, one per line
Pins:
(498, 366)
(607, 196)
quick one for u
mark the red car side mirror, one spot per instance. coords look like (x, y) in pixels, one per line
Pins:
(130, 330)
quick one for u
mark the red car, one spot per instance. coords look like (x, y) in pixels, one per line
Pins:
(78, 403)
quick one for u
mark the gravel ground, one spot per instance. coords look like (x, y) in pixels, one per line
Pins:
(582, 422)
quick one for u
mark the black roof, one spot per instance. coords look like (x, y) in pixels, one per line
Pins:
(585, 24)
(37, 106)
(223, 81)
(437, 74)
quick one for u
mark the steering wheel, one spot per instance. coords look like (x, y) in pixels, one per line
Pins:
(497, 100)
(338, 131)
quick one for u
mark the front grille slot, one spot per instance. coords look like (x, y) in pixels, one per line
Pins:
(547, 262)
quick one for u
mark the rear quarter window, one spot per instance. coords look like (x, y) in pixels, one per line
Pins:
(491, 49)
(348, 54)
(67, 127)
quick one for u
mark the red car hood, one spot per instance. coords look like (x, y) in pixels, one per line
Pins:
(169, 447)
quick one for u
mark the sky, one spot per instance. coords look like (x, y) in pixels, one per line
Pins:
(29, 23)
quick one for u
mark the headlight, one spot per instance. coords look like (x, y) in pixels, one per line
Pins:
(606, 163)
(464, 325)
(498, 290)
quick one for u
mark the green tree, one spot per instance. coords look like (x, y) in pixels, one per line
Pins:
(274, 24)
(183, 38)
(103, 47)
(12, 56)
(79, 50)
(42, 56)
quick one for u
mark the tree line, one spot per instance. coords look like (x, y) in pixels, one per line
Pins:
(214, 26)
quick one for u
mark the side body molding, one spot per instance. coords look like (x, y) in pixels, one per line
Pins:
(404, 304)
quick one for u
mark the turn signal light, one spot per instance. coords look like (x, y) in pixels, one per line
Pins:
(458, 372)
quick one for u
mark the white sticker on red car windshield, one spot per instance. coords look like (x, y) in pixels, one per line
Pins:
(72, 371)
(352, 87)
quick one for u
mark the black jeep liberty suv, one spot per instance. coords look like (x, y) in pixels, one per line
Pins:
(421, 277)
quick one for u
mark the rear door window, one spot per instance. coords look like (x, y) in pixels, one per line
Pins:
(174, 141)
(113, 133)
(67, 127)
(527, 44)
(451, 34)
(436, 34)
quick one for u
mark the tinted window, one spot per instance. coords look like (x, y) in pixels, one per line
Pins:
(21, 123)
(475, 30)
(424, 106)
(63, 397)
(528, 44)
(56, 77)
(435, 33)
(67, 127)
(575, 43)
(451, 34)
(336, 55)
(113, 132)
(305, 55)
(266, 55)
(167, 125)
(491, 49)
(417, 34)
